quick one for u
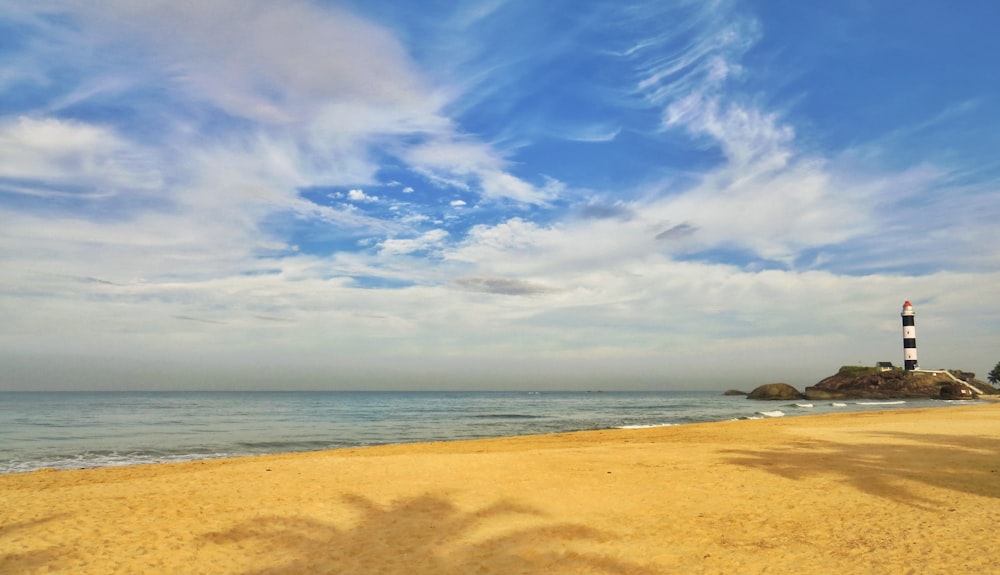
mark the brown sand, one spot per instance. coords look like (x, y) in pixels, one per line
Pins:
(914, 491)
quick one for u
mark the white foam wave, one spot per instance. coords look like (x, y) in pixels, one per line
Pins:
(837, 404)
(775, 413)
(804, 405)
(114, 459)
(880, 402)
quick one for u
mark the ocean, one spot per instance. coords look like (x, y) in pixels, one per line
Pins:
(71, 430)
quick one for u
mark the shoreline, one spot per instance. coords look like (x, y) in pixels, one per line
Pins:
(862, 492)
(457, 422)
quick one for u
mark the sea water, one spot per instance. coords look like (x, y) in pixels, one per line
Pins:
(69, 430)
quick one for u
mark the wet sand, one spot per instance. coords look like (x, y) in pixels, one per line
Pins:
(905, 491)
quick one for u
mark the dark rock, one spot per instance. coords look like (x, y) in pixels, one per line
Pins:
(956, 391)
(854, 382)
(820, 394)
(771, 391)
(970, 378)
(734, 392)
(963, 375)
(886, 385)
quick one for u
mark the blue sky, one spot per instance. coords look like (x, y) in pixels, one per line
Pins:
(496, 194)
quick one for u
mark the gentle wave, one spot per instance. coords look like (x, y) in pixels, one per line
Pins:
(80, 430)
(507, 416)
(880, 403)
(91, 460)
(280, 446)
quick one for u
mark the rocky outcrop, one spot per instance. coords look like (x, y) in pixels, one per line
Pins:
(963, 375)
(734, 392)
(956, 391)
(853, 382)
(816, 393)
(771, 391)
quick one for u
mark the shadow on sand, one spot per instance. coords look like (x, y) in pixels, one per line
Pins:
(23, 562)
(425, 534)
(889, 467)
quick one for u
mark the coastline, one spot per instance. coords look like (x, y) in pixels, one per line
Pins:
(862, 492)
(45, 430)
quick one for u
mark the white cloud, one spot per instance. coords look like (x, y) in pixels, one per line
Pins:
(358, 195)
(595, 134)
(317, 82)
(773, 213)
(261, 102)
(255, 61)
(766, 197)
(500, 184)
(747, 135)
(699, 59)
(317, 78)
(51, 157)
(469, 165)
(430, 240)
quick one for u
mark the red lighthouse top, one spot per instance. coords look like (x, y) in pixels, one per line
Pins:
(907, 309)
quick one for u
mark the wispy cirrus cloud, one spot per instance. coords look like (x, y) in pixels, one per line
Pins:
(601, 183)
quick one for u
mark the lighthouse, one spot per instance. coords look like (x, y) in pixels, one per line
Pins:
(909, 337)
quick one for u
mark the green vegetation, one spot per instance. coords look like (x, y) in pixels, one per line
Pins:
(994, 375)
(856, 370)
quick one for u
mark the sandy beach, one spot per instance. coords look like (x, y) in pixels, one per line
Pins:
(907, 491)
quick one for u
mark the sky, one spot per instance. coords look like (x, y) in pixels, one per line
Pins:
(494, 194)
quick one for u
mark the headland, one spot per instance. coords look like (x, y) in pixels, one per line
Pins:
(888, 382)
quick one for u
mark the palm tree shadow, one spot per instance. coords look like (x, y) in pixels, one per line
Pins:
(425, 534)
(30, 560)
(888, 468)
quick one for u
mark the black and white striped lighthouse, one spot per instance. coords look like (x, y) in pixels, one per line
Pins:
(909, 337)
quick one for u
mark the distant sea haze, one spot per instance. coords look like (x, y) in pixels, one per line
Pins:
(78, 430)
